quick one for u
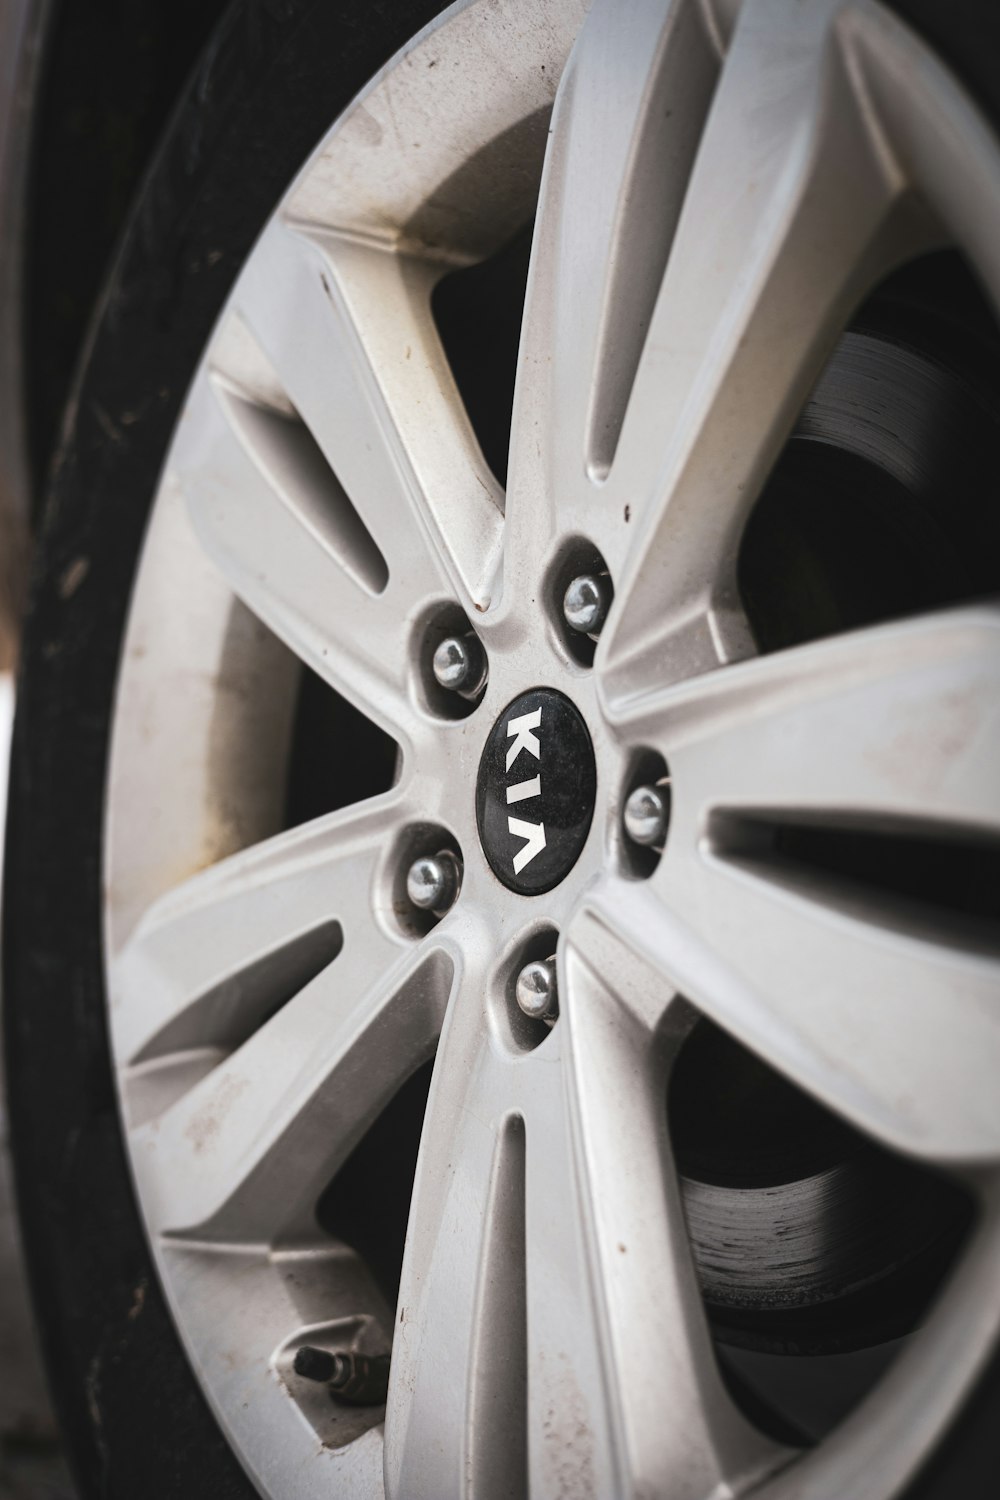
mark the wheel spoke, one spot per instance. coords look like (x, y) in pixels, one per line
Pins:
(615, 173)
(262, 507)
(242, 1155)
(897, 1029)
(892, 1024)
(625, 1394)
(875, 993)
(547, 1258)
(792, 212)
(348, 327)
(890, 728)
(211, 959)
(457, 1336)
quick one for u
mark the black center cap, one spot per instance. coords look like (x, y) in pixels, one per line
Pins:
(536, 789)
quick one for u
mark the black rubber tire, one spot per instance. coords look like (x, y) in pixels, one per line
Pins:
(274, 77)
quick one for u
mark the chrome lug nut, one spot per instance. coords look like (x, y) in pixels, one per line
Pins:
(647, 812)
(460, 664)
(432, 882)
(586, 603)
(536, 991)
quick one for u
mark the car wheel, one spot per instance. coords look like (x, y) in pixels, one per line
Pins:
(501, 926)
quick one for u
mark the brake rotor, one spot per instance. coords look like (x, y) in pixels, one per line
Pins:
(806, 1237)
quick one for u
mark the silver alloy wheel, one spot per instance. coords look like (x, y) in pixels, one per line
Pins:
(323, 500)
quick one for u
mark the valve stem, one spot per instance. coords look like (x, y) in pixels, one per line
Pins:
(360, 1379)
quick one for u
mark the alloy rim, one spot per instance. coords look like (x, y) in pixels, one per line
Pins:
(326, 502)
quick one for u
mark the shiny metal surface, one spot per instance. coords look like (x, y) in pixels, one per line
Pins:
(432, 882)
(586, 603)
(459, 664)
(645, 817)
(537, 990)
